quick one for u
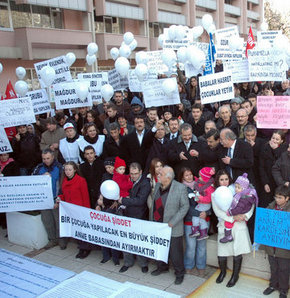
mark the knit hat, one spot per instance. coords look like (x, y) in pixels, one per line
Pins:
(206, 173)
(119, 162)
(68, 125)
(109, 161)
(136, 101)
(243, 181)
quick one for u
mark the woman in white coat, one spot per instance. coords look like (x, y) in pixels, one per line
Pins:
(241, 243)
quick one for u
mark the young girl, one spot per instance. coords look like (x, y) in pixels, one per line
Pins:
(123, 180)
(244, 198)
(203, 188)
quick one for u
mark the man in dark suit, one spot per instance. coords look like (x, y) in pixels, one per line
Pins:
(136, 207)
(173, 125)
(237, 156)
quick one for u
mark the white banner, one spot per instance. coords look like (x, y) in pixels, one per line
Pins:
(17, 111)
(5, 146)
(114, 79)
(39, 101)
(190, 71)
(223, 35)
(239, 70)
(223, 53)
(267, 65)
(62, 71)
(144, 238)
(154, 96)
(25, 193)
(135, 84)
(65, 97)
(176, 44)
(268, 35)
(124, 83)
(216, 87)
(155, 62)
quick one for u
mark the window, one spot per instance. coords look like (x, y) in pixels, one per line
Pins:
(105, 24)
(76, 70)
(229, 2)
(21, 15)
(32, 79)
(5, 19)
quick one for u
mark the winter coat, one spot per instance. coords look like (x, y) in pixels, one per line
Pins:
(124, 183)
(75, 191)
(242, 242)
(244, 205)
(111, 148)
(281, 169)
(206, 198)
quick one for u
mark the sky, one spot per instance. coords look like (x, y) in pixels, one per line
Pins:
(283, 6)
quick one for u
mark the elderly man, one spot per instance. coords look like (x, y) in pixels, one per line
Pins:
(242, 118)
(136, 207)
(170, 205)
(226, 119)
(237, 156)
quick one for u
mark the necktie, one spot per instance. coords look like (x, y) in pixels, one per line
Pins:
(228, 167)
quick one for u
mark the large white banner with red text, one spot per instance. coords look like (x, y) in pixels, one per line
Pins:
(140, 237)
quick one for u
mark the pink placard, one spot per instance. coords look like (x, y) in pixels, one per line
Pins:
(273, 112)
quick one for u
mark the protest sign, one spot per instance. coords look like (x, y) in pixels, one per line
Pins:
(25, 193)
(65, 97)
(267, 65)
(223, 53)
(273, 112)
(176, 44)
(62, 71)
(223, 35)
(268, 35)
(154, 96)
(17, 111)
(124, 83)
(190, 71)
(155, 63)
(272, 228)
(114, 79)
(5, 146)
(145, 238)
(135, 84)
(216, 87)
(239, 70)
(26, 277)
(39, 101)
(202, 46)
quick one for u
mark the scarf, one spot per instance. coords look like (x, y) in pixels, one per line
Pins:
(91, 140)
(5, 163)
(72, 140)
(201, 186)
(189, 184)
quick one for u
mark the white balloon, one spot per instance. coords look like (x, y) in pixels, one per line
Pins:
(172, 32)
(21, 88)
(133, 45)
(141, 57)
(264, 26)
(182, 54)
(223, 197)
(197, 31)
(91, 59)
(114, 53)
(211, 29)
(92, 48)
(179, 32)
(206, 21)
(82, 90)
(128, 37)
(70, 58)
(107, 91)
(281, 43)
(141, 72)
(47, 75)
(110, 190)
(1, 67)
(122, 66)
(235, 43)
(20, 72)
(197, 57)
(168, 57)
(168, 87)
(125, 51)
(161, 39)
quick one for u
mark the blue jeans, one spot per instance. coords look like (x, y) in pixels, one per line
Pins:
(195, 252)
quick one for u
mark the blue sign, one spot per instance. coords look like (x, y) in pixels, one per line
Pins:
(272, 228)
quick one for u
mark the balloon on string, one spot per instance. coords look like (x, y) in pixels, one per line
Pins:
(141, 71)
(110, 190)
(47, 75)
(141, 57)
(107, 91)
(172, 32)
(168, 57)
(128, 37)
(211, 29)
(179, 32)
(223, 197)
(206, 21)
(82, 90)
(20, 72)
(168, 87)
(161, 39)
(197, 31)
(133, 45)
(21, 88)
(264, 26)
(92, 48)
(182, 54)
(114, 53)
(1, 67)
(197, 57)
(91, 59)
(125, 51)
(70, 58)
(122, 66)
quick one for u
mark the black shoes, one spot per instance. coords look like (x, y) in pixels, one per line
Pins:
(144, 269)
(123, 269)
(83, 253)
(179, 280)
(269, 290)
(158, 272)
(104, 261)
(236, 271)
(223, 267)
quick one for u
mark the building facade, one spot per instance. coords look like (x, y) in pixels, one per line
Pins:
(35, 30)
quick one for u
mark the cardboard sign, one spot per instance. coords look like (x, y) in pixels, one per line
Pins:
(65, 97)
(272, 228)
(239, 70)
(190, 71)
(155, 62)
(176, 44)
(154, 96)
(269, 36)
(15, 112)
(62, 71)
(5, 146)
(134, 84)
(114, 79)
(39, 101)
(216, 87)
(223, 35)
(273, 112)
(267, 65)
(140, 237)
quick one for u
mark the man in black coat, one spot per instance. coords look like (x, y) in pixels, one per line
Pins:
(111, 146)
(237, 156)
(92, 170)
(136, 207)
(173, 124)
(196, 120)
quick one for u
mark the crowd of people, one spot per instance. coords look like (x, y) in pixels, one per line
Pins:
(168, 162)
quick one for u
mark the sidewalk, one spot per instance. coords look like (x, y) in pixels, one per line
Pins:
(66, 259)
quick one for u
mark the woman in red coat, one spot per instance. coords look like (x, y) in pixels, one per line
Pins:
(75, 191)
